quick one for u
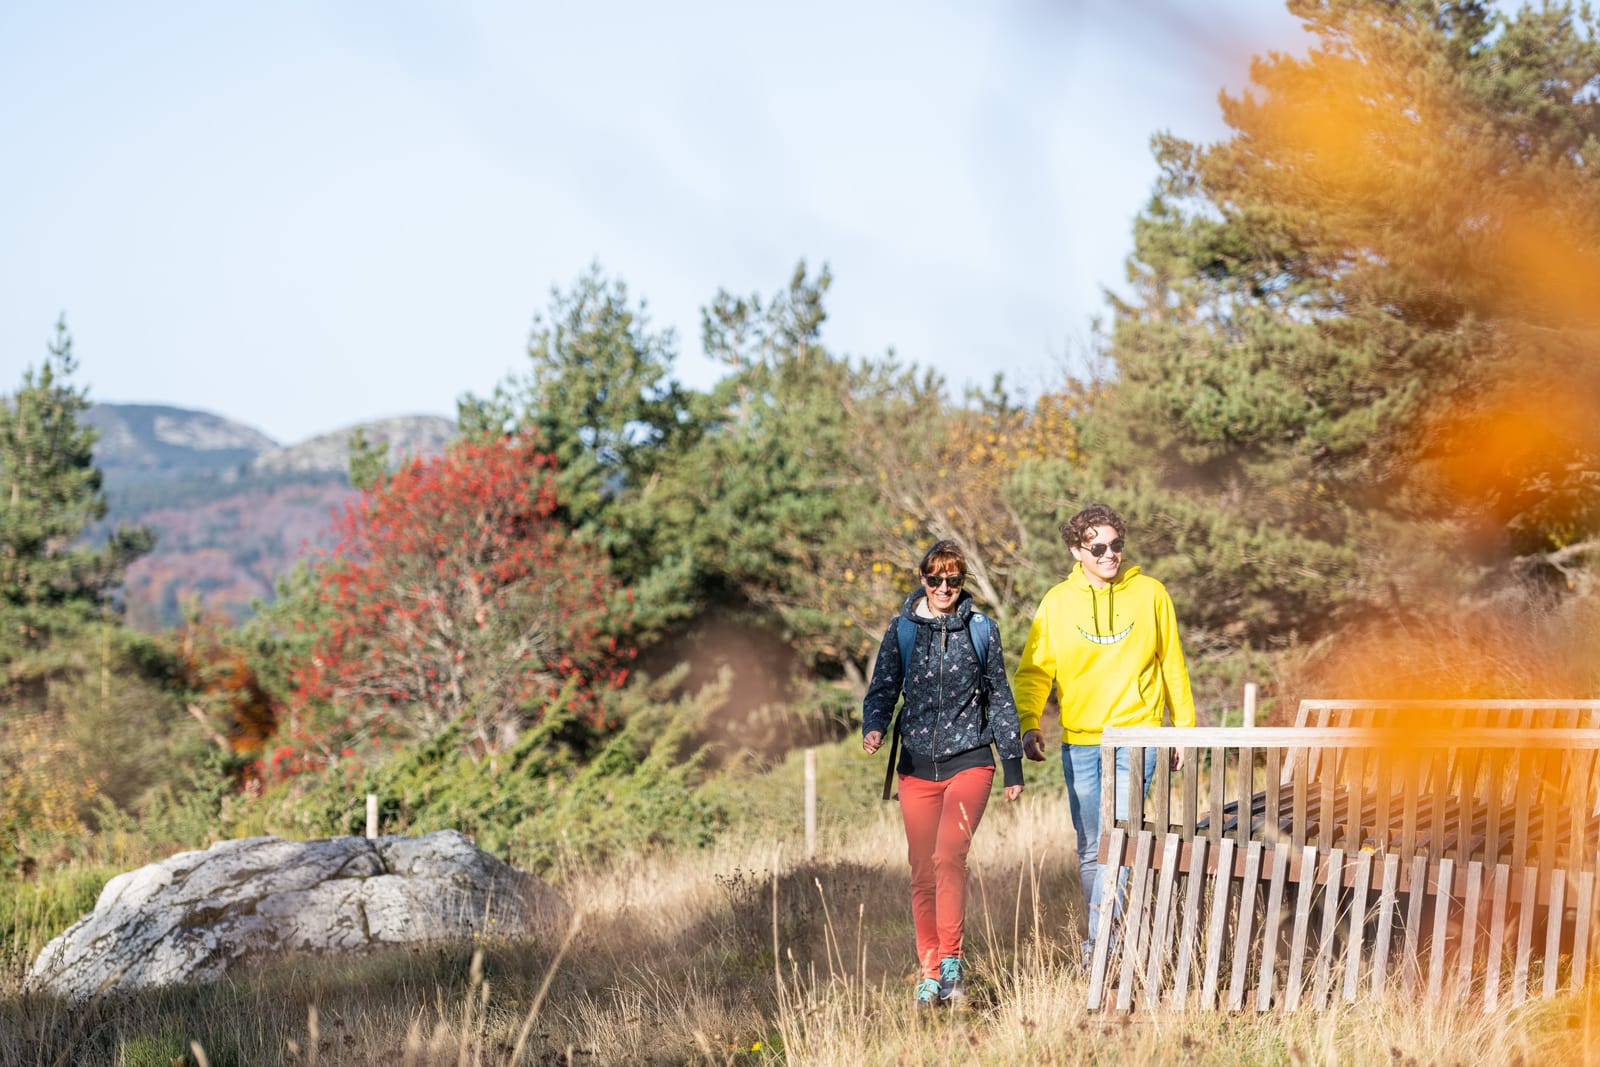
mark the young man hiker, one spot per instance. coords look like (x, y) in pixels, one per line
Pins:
(1107, 639)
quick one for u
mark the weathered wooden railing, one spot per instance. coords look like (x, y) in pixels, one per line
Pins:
(1481, 843)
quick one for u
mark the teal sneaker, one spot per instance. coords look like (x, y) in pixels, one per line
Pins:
(928, 994)
(952, 980)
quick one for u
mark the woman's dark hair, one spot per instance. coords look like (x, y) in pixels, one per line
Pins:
(1092, 515)
(943, 552)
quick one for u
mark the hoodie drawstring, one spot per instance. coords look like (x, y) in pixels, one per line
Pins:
(1111, 609)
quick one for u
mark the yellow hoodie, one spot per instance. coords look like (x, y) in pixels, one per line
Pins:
(1113, 654)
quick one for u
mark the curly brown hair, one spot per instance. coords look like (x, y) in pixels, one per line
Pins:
(1076, 528)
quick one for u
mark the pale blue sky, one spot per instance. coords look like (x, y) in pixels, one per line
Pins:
(306, 214)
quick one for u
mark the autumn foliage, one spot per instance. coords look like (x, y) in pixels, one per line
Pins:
(453, 596)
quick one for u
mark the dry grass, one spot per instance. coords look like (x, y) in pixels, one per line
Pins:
(674, 962)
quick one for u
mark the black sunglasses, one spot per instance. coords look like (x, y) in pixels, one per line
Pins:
(934, 581)
(1098, 549)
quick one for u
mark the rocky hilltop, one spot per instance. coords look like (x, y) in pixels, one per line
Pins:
(231, 508)
(139, 442)
(406, 436)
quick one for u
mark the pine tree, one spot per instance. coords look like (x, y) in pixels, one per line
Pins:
(49, 495)
(1357, 363)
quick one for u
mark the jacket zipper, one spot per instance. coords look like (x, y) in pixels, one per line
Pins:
(944, 638)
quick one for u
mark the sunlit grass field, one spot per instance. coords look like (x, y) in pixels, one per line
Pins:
(746, 952)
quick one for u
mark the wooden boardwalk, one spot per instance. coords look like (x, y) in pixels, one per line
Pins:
(1440, 849)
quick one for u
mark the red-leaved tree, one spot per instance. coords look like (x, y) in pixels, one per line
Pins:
(454, 596)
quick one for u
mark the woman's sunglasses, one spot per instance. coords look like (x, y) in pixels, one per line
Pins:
(1098, 549)
(934, 581)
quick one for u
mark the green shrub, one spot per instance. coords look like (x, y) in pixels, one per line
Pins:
(565, 791)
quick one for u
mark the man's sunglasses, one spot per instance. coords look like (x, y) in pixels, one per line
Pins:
(1098, 549)
(934, 581)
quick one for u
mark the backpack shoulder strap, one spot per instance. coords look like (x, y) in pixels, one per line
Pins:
(979, 628)
(906, 633)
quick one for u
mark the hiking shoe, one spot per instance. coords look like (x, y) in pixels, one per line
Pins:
(928, 994)
(952, 980)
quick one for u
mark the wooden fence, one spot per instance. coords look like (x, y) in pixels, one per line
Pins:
(1449, 848)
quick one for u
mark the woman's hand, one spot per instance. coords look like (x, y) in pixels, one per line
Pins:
(1013, 792)
(870, 743)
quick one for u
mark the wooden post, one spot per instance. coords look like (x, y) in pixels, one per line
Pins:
(811, 802)
(372, 815)
(1249, 703)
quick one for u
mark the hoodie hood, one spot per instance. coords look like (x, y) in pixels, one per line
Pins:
(1079, 580)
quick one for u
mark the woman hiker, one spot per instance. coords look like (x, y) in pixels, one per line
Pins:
(946, 658)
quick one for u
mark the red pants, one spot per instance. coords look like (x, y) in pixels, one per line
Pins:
(940, 818)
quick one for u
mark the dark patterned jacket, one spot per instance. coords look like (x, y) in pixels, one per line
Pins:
(942, 728)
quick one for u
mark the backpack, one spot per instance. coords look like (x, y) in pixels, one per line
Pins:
(978, 630)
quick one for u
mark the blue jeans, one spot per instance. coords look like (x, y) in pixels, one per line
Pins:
(1080, 765)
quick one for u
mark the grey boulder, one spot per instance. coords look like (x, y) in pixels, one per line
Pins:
(196, 916)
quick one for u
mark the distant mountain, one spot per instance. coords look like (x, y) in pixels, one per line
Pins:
(232, 509)
(140, 442)
(406, 435)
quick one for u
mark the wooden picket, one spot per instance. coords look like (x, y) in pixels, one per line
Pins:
(1365, 855)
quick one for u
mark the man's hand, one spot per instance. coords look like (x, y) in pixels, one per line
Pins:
(1013, 792)
(870, 743)
(1177, 759)
(1033, 746)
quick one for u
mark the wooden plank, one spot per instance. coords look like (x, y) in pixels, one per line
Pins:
(1441, 927)
(1412, 964)
(1387, 896)
(1191, 791)
(1358, 921)
(1112, 863)
(1329, 781)
(1271, 829)
(1469, 930)
(1396, 737)
(1189, 933)
(1108, 787)
(1580, 930)
(1579, 793)
(1267, 979)
(1547, 796)
(1219, 777)
(1306, 886)
(1467, 806)
(1312, 704)
(1438, 794)
(1552, 937)
(1519, 969)
(1244, 789)
(1499, 893)
(1410, 772)
(1133, 917)
(1162, 787)
(1242, 928)
(1216, 933)
(1161, 934)
(1333, 880)
(1357, 790)
(1494, 835)
(1524, 793)
(1298, 816)
(1383, 788)
(1136, 784)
